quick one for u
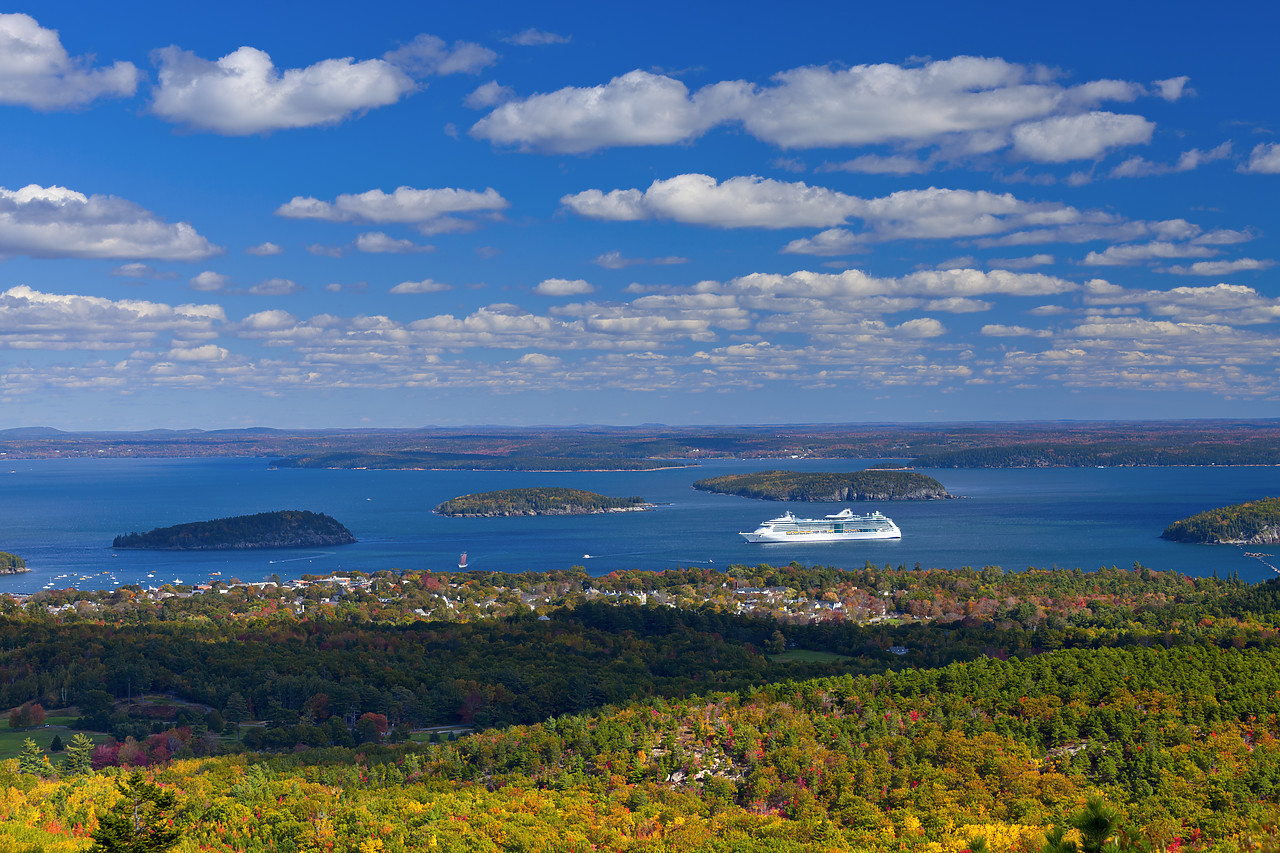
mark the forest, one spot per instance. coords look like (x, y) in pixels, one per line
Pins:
(872, 485)
(280, 529)
(1254, 522)
(11, 564)
(547, 500)
(648, 711)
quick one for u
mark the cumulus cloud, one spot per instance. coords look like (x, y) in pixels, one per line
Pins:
(141, 270)
(532, 37)
(263, 250)
(1264, 159)
(488, 95)
(432, 210)
(1139, 167)
(276, 287)
(1133, 254)
(563, 287)
(37, 72)
(209, 281)
(1079, 137)
(376, 242)
(1221, 267)
(244, 93)
(875, 164)
(1220, 303)
(55, 222)
(996, 330)
(425, 286)
(428, 54)
(31, 319)
(1173, 88)
(964, 105)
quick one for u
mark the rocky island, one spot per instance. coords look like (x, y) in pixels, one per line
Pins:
(1251, 523)
(12, 564)
(827, 488)
(281, 529)
(537, 501)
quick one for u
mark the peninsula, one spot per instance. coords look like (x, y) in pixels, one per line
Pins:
(12, 564)
(827, 488)
(537, 501)
(1251, 523)
(281, 529)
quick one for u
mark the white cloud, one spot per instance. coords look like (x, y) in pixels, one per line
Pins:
(532, 37)
(1038, 260)
(995, 330)
(1079, 137)
(432, 211)
(425, 286)
(1264, 159)
(263, 250)
(1139, 167)
(637, 108)
(208, 352)
(37, 72)
(276, 287)
(563, 287)
(489, 95)
(210, 281)
(141, 270)
(378, 243)
(55, 222)
(965, 105)
(1133, 254)
(244, 93)
(875, 164)
(614, 260)
(31, 319)
(1232, 304)
(1173, 88)
(1221, 267)
(320, 250)
(428, 54)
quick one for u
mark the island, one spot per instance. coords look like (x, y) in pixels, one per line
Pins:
(827, 488)
(538, 501)
(290, 528)
(1250, 523)
(12, 564)
(427, 461)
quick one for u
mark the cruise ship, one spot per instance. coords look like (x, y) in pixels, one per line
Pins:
(833, 528)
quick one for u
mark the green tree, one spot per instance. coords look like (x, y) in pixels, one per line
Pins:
(79, 757)
(32, 759)
(140, 821)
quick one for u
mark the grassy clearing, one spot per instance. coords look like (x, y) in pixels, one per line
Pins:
(11, 739)
(806, 656)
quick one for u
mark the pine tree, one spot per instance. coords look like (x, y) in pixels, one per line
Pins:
(79, 757)
(32, 759)
(55, 745)
(140, 821)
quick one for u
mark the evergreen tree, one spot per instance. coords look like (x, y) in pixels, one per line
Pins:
(55, 745)
(140, 821)
(79, 757)
(32, 759)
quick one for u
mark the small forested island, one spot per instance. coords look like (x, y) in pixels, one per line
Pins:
(538, 501)
(290, 528)
(1251, 523)
(827, 488)
(12, 564)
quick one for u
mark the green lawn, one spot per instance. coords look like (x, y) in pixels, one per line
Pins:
(806, 656)
(11, 739)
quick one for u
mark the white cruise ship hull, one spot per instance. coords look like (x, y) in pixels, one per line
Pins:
(842, 527)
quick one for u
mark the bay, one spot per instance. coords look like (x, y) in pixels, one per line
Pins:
(60, 515)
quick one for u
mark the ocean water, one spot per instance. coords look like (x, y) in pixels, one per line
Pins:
(61, 515)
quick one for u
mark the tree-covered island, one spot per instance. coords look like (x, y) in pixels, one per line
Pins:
(290, 528)
(12, 564)
(824, 487)
(1251, 523)
(538, 501)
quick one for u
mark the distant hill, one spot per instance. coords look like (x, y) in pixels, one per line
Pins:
(280, 529)
(538, 501)
(1252, 523)
(827, 488)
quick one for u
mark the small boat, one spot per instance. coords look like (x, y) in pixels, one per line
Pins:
(462, 561)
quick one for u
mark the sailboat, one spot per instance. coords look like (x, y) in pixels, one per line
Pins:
(462, 561)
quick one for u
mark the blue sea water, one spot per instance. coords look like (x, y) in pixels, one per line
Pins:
(61, 515)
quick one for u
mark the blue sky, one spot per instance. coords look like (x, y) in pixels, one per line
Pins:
(315, 215)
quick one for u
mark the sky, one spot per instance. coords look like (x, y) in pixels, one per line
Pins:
(405, 214)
